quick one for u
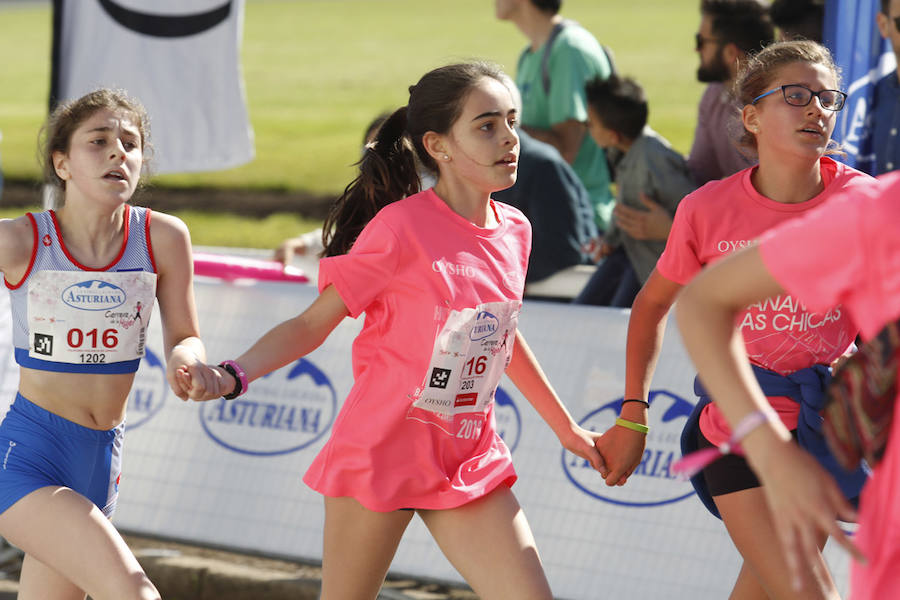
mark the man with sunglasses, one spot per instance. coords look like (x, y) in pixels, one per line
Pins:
(729, 30)
(885, 110)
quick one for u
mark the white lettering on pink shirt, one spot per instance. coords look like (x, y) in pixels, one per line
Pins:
(731, 245)
(442, 266)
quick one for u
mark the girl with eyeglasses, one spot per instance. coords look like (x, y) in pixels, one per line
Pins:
(790, 103)
(855, 235)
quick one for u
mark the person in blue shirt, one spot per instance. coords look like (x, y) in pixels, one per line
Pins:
(885, 111)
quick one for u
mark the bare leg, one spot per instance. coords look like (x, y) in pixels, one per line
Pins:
(750, 524)
(748, 586)
(491, 545)
(64, 534)
(37, 580)
(359, 546)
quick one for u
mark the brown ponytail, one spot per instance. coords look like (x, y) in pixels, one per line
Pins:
(387, 173)
(387, 170)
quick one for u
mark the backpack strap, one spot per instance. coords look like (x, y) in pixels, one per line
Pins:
(545, 56)
(610, 59)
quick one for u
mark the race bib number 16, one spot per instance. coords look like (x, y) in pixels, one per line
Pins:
(470, 354)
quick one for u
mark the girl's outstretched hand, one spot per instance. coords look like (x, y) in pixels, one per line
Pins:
(177, 365)
(580, 441)
(622, 450)
(205, 382)
(805, 502)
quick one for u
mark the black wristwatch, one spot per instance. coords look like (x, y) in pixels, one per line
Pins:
(240, 379)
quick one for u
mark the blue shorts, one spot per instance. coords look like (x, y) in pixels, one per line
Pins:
(39, 448)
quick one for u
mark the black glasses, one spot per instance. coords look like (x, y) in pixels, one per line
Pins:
(800, 95)
(700, 41)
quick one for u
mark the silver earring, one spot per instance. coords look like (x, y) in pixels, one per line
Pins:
(446, 157)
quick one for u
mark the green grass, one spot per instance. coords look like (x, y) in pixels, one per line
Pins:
(218, 229)
(316, 72)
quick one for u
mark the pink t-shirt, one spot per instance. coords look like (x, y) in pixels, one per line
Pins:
(441, 299)
(780, 334)
(856, 240)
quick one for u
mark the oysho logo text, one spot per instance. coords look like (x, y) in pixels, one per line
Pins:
(459, 270)
(731, 245)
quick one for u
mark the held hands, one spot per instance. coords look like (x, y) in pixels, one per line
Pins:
(651, 224)
(205, 382)
(622, 450)
(180, 359)
(581, 442)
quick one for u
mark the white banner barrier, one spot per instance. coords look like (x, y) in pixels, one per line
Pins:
(228, 473)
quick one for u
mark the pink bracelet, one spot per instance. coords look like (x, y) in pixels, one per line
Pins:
(240, 379)
(696, 461)
(745, 426)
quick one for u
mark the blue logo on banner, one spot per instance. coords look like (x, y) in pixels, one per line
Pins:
(509, 421)
(148, 392)
(652, 483)
(283, 412)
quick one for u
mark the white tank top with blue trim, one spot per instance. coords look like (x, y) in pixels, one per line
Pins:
(74, 319)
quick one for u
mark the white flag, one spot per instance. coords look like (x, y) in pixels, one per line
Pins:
(180, 58)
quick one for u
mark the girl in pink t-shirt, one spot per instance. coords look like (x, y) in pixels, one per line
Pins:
(439, 275)
(856, 236)
(790, 106)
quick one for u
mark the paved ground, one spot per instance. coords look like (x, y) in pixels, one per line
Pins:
(185, 572)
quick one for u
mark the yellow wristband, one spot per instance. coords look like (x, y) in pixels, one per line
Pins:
(632, 425)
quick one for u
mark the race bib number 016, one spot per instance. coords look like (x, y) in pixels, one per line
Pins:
(89, 317)
(470, 354)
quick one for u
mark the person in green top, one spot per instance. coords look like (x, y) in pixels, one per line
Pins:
(561, 57)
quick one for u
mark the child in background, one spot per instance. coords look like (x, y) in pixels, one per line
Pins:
(439, 275)
(649, 168)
